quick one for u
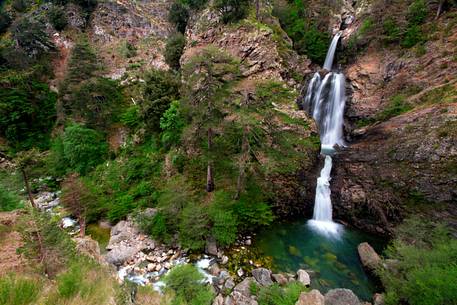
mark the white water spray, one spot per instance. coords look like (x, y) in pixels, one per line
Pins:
(325, 101)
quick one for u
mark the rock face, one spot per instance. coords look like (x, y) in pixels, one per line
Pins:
(125, 242)
(262, 56)
(262, 276)
(314, 297)
(341, 297)
(303, 277)
(407, 161)
(368, 256)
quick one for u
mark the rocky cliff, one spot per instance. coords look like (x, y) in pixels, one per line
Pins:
(401, 128)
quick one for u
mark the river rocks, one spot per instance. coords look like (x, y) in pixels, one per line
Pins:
(303, 277)
(47, 200)
(341, 296)
(125, 242)
(262, 276)
(368, 256)
(280, 279)
(211, 247)
(229, 283)
(314, 297)
(241, 294)
(378, 299)
(218, 300)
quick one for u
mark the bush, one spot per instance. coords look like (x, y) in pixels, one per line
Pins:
(314, 44)
(131, 117)
(413, 36)
(195, 4)
(83, 63)
(193, 227)
(19, 5)
(83, 148)
(27, 112)
(232, 10)
(15, 290)
(178, 15)
(391, 30)
(186, 283)
(57, 18)
(173, 50)
(128, 50)
(417, 12)
(30, 35)
(97, 101)
(5, 20)
(397, 106)
(160, 89)
(224, 226)
(9, 201)
(275, 295)
(172, 124)
(69, 283)
(426, 270)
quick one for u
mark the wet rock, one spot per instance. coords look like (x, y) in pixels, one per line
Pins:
(303, 277)
(368, 256)
(262, 276)
(314, 297)
(240, 272)
(280, 279)
(341, 296)
(224, 260)
(214, 269)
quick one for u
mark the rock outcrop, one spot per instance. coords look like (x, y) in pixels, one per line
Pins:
(314, 297)
(368, 256)
(341, 296)
(262, 276)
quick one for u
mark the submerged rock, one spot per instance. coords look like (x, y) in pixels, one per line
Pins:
(341, 296)
(314, 297)
(368, 256)
(263, 276)
(303, 277)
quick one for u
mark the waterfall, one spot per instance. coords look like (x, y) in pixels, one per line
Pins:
(331, 52)
(325, 101)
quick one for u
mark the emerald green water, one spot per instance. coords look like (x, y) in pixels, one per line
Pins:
(334, 260)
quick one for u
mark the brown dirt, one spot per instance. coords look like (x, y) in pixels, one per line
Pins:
(10, 241)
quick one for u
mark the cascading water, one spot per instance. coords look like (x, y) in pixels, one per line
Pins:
(325, 101)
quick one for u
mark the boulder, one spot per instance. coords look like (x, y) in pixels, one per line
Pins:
(279, 278)
(89, 247)
(262, 276)
(314, 297)
(368, 256)
(341, 296)
(211, 247)
(236, 298)
(244, 286)
(378, 299)
(229, 284)
(219, 300)
(303, 277)
(120, 254)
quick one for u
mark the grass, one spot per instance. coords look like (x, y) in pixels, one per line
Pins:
(17, 290)
(101, 235)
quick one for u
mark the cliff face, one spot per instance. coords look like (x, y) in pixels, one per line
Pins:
(405, 159)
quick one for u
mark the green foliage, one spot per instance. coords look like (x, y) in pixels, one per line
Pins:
(195, 4)
(5, 20)
(27, 111)
(224, 224)
(16, 290)
(186, 283)
(57, 18)
(397, 106)
(82, 64)
(19, 5)
(275, 295)
(425, 272)
(160, 89)
(97, 101)
(193, 227)
(173, 50)
(178, 15)
(232, 10)
(128, 50)
(417, 12)
(9, 201)
(308, 39)
(83, 148)
(69, 282)
(131, 117)
(413, 36)
(391, 30)
(172, 124)
(30, 35)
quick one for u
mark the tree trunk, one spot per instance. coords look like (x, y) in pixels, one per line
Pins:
(27, 187)
(243, 161)
(209, 173)
(440, 9)
(257, 9)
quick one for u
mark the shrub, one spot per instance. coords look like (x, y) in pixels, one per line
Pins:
(27, 112)
(69, 283)
(193, 227)
(19, 5)
(417, 12)
(178, 15)
(195, 4)
(30, 35)
(97, 101)
(173, 50)
(5, 20)
(128, 50)
(224, 226)
(232, 10)
(131, 117)
(15, 290)
(397, 106)
(83, 148)
(413, 36)
(275, 295)
(425, 268)
(391, 30)
(160, 89)
(9, 201)
(172, 124)
(314, 44)
(83, 63)
(186, 282)
(57, 18)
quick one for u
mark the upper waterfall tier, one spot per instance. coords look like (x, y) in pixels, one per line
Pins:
(331, 52)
